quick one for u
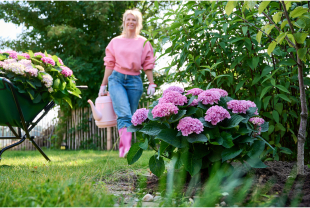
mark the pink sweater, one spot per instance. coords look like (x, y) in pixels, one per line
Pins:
(129, 56)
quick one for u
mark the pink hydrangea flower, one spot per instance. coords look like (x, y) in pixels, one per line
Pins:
(216, 114)
(12, 54)
(9, 61)
(48, 81)
(32, 71)
(209, 97)
(194, 103)
(66, 71)
(39, 54)
(48, 60)
(194, 91)
(240, 106)
(60, 61)
(189, 125)
(139, 116)
(223, 93)
(257, 121)
(174, 88)
(173, 97)
(26, 55)
(2, 64)
(15, 67)
(164, 109)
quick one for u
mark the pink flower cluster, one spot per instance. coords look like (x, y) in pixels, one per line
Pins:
(194, 103)
(216, 114)
(139, 116)
(188, 125)
(39, 54)
(194, 91)
(26, 55)
(174, 88)
(240, 106)
(209, 97)
(164, 109)
(48, 60)
(66, 71)
(60, 61)
(223, 93)
(257, 121)
(29, 68)
(12, 54)
(173, 97)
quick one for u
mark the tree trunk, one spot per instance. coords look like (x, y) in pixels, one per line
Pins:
(303, 121)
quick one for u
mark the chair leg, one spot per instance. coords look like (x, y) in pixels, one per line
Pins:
(12, 145)
(38, 148)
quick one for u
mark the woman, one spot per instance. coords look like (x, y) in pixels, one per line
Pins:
(125, 56)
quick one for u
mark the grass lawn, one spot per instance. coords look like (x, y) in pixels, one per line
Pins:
(27, 179)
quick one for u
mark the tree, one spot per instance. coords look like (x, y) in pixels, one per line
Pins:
(213, 49)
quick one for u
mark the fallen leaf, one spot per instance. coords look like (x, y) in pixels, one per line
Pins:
(35, 167)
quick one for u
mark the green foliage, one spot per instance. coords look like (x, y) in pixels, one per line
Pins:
(249, 64)
(233, 139)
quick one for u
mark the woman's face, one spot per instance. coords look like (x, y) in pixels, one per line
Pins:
(130, 22)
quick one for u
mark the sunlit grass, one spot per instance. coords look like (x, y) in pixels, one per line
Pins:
(28, 174)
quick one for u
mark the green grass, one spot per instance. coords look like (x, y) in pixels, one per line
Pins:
(71, 179)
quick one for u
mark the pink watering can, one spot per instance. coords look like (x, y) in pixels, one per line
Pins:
(103, 112)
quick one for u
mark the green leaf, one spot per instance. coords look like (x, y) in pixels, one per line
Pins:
(300, 37)
(244, 30)
(232, 122)
(31, 84)
(277, 17)
(266, 101)
(191, 164)
(279, 108)
(291, 38)
(281, 37)
(298, 11)
(271, 47)
(152, 128)
(230, 153)
(68, 100)
(150, 116)
(134, 153)
(157, 166)
(37, 99)
(279, 126)
(191, 110)
(192, 138)
(133, 128)
(268, 28)
(264, 91)
(288, 4)
(280, 87)
(256, 163)
(275, 115)
(256, 149)
(263, 6)
(190, 100)
(31, 93)
(170, 136)
(286, 150)
(163, 146)
(283, 24)
(177, 117)
(259, 36)
(284, 97)
(270, 130)
(239, 85)
(227, 140)
(205, 123)
(144, 145)
(302, 52)
(230, 7)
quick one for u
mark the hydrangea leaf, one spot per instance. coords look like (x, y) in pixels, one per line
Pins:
(157, 165)
(134, 153)
(196, 138)
(230, 153)
(152, 128)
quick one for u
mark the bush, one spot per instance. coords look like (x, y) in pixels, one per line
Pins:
(198, 128)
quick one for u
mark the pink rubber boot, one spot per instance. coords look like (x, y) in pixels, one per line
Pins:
(121, 145)
(126, 141)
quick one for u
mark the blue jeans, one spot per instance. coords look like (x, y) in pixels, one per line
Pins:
(125, 92)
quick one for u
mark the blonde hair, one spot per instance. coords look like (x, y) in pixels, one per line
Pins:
(138, 16)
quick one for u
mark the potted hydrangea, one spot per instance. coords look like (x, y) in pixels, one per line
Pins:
(41, 76)
(198, 128)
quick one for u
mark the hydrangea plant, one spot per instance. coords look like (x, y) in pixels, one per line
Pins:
(41, 76)
(198, 128)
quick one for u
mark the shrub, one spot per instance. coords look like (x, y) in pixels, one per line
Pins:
(206, 127)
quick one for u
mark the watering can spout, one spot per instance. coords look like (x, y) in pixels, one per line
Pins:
(97, 115)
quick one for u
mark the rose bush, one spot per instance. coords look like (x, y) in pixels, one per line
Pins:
(42, 76)
(198, 128)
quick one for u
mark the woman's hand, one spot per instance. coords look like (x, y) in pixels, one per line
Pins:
(151, 89)
(102, 90)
